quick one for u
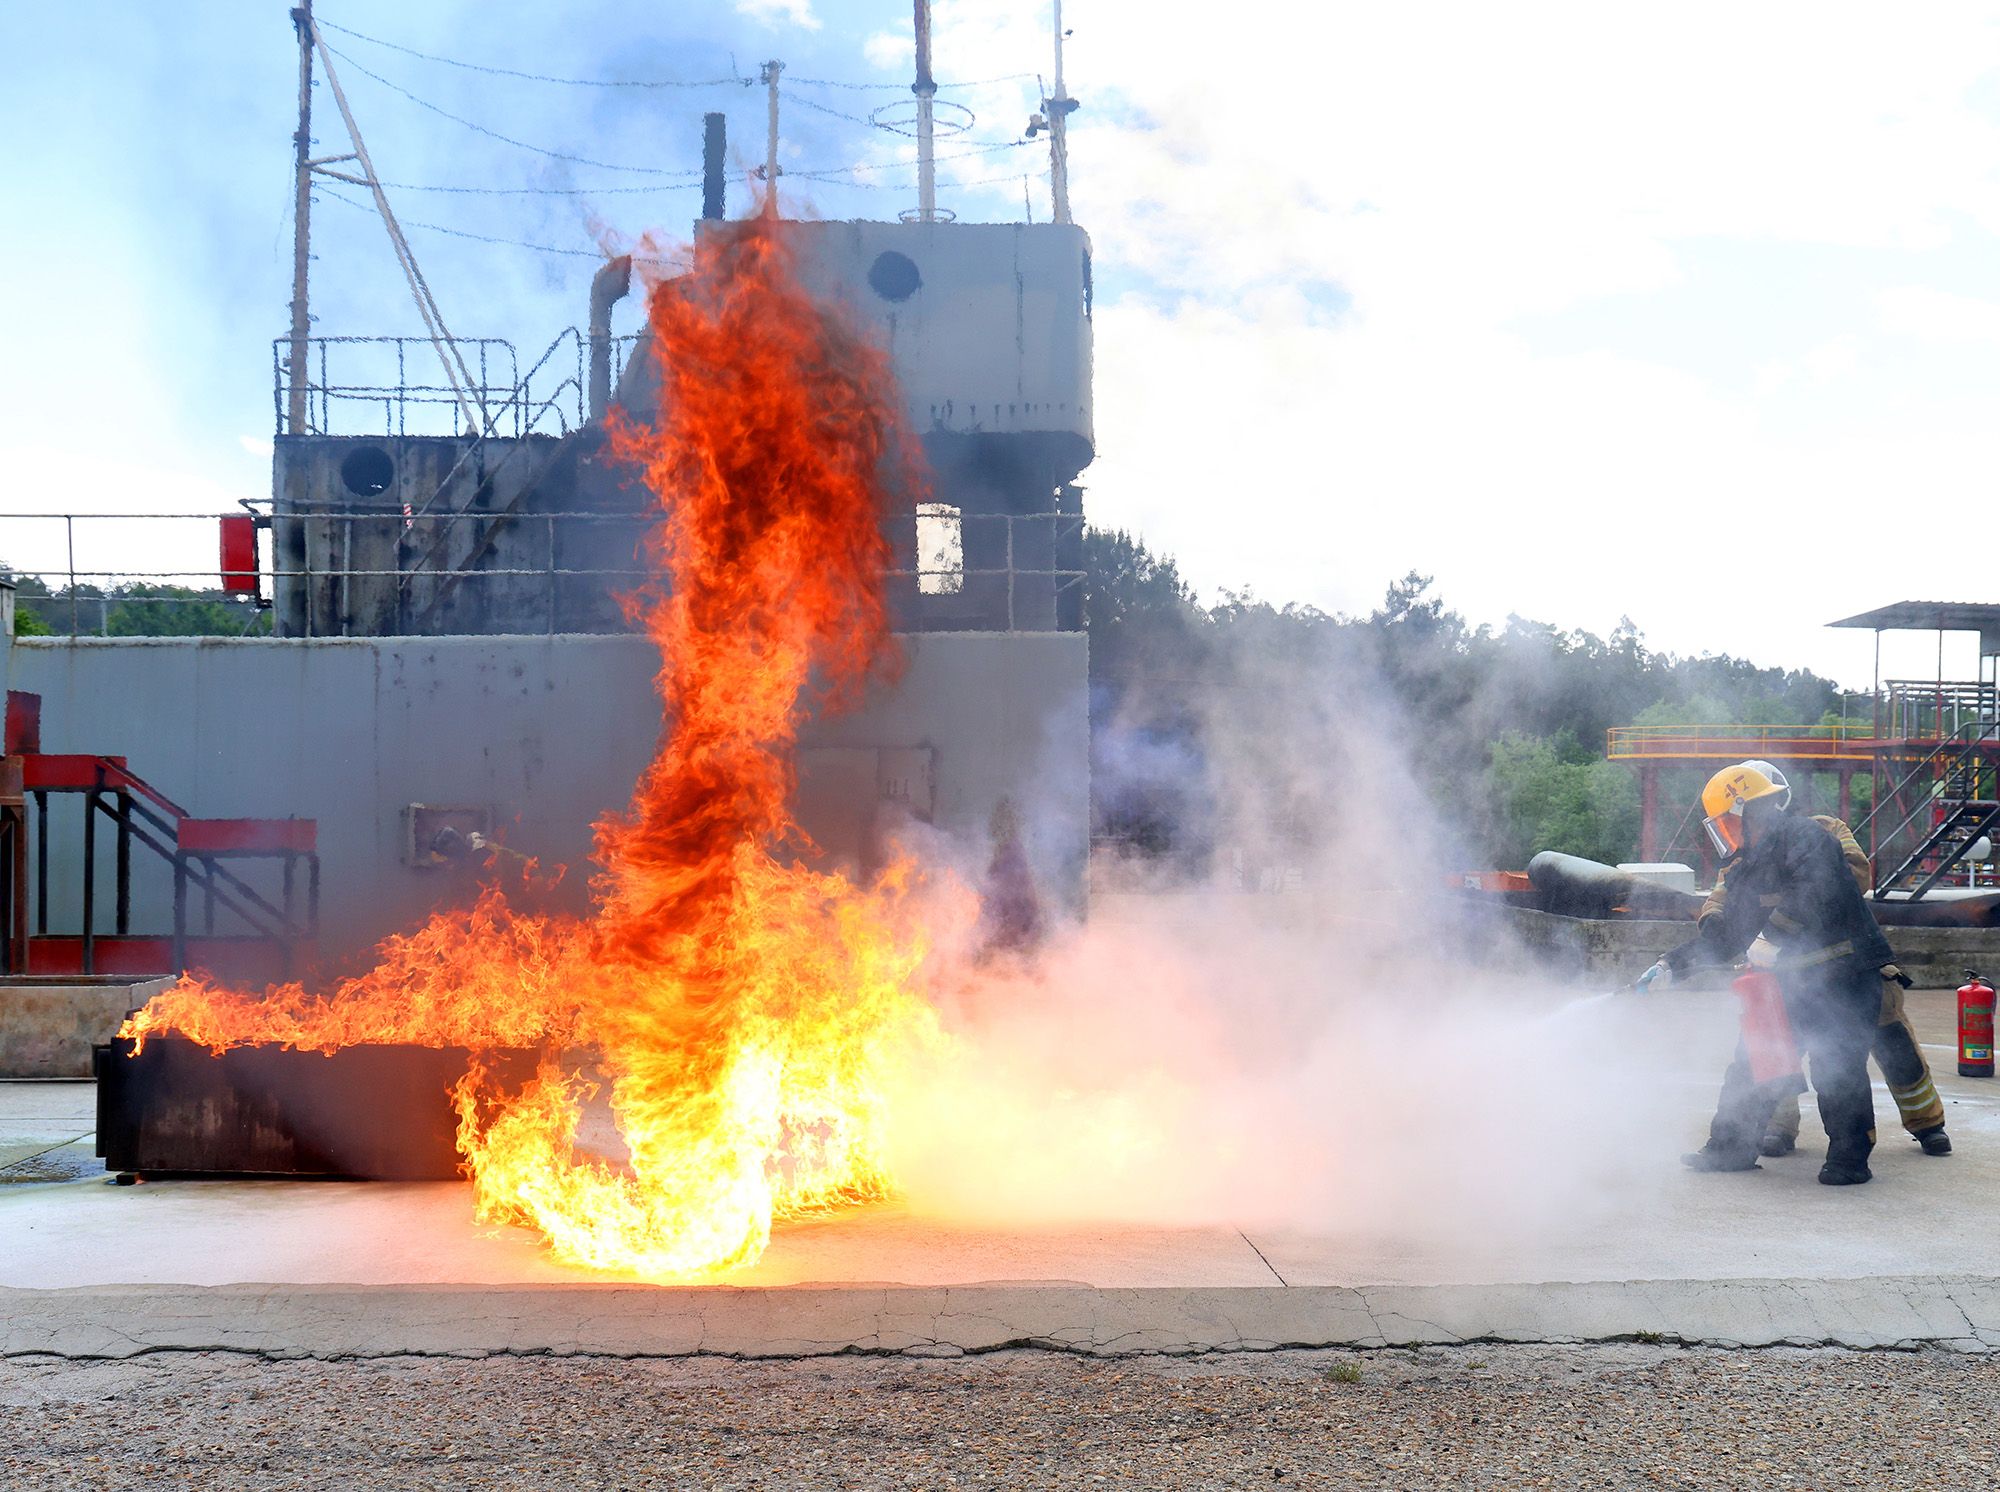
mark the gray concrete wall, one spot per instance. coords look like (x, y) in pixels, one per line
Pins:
(549, 733)
(48, 1026)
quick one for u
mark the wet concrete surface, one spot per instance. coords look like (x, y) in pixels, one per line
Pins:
(341, 1268)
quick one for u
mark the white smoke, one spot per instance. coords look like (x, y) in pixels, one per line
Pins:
(1329, 1057)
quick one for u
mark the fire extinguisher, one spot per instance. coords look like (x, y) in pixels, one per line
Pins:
(1975, 1027)
(1767, 1030)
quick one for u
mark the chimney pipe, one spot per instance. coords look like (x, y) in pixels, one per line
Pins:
(712, 127)
(607, 287)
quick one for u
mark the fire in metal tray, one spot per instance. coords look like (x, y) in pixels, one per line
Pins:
(747, 1014)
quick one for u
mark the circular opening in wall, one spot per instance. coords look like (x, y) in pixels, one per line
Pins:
(367, 471)
(893, 276)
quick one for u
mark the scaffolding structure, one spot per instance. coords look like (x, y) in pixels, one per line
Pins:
(1930, 749)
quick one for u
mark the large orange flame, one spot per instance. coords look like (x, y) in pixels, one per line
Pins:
(747, 1013)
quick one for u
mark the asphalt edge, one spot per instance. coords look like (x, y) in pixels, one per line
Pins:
(1905, 1312)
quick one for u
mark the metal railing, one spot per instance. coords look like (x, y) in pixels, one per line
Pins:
(1716, 742)
(1922, 789)
(1007, 573)
(371, 386)
(1924, 709)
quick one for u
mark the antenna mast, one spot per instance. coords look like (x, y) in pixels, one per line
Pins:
(1060, 107)
(295, 405)
(925, 88)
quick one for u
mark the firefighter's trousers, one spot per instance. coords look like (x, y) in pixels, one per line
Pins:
(1904, 1070)
(1836, 1030)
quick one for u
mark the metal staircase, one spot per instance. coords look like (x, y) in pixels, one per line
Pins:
(221, 922)
(1953, 786)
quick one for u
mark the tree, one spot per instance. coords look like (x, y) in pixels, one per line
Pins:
(137, 610)
(1555, 795)
(1140, 615)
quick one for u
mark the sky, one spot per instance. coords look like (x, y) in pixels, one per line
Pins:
(1685, 313)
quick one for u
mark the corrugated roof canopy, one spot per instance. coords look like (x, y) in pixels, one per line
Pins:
(1927, 616)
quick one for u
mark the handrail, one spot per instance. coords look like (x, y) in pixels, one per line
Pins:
(127, 780)
(1808, 742)
(999, 570)
(1927, 767)
(396, 398)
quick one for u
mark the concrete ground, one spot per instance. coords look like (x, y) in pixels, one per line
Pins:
(338, 1271)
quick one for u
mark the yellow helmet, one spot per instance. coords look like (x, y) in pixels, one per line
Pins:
(1723, 799)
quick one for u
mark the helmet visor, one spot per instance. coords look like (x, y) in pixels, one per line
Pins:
(1725, 832)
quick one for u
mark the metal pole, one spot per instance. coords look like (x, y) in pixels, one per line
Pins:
(1059, 109)
(41, 863)
(925, 88)
(89, 880)
(69, 536)
(771, 71)
(295, 406)
(123, 920)
(180, 911)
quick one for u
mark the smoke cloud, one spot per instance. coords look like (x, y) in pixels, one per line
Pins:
(1301, 1038)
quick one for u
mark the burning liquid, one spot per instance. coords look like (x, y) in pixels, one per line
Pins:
(748, 1014)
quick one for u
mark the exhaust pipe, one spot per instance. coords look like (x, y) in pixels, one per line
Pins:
(607, 287)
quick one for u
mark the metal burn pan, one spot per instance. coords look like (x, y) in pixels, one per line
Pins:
(374, 1113)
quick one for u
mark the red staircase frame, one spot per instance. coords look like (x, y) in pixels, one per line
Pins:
(282, 933)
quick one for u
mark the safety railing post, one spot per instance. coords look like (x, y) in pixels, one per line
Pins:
(90, 881)
(1010, 570)
(123, 919)
(180, 911)
(41, 863)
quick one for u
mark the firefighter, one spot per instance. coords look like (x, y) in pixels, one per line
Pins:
(1788, 879)
(1904, 1069)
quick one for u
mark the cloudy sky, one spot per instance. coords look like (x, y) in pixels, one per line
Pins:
(1684, 312)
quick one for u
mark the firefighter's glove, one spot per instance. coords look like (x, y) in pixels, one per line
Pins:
(1658, 977)
(1763, 954)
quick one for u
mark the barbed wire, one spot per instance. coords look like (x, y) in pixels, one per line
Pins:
(831, 172)
(487, 239)
(907, 88)
(322, 192)
(734, 80)
(819, 108)
(481, 129)
(534, 191)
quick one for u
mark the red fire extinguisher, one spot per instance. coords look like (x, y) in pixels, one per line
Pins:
(1767, 1030)
(1975, 1027)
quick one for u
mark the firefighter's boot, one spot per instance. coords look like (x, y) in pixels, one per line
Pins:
(1714, 1157)
(1934, 1140)
(1781, 1130)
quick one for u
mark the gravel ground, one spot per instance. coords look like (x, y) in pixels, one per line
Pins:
(1473, 1417)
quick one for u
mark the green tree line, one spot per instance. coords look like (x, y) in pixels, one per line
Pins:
(136, 610)
(1503, 728)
